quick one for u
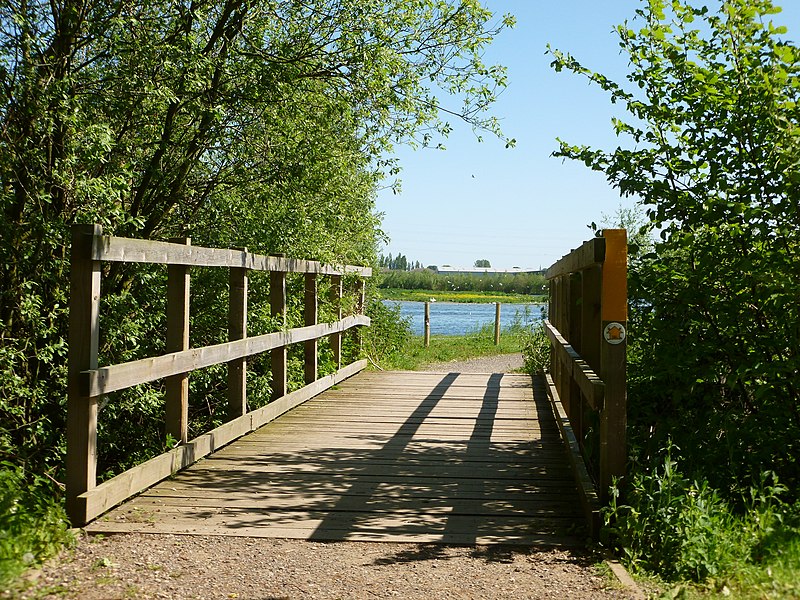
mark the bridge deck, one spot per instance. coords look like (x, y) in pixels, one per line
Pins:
(403, 457)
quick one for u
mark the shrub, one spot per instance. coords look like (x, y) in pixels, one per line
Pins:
(682, 529)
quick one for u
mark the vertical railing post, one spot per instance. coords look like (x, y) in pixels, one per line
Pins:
(358, 338)
(84, 337)
(496, 323)
(614, 315)
(310, 317)
(555, 366)
(336, 302)
(564, 327)
(177, 386)
(427, 330)
(237, 330)
(574, 336)
(277, 301)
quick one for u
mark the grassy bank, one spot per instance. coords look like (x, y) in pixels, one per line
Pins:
(444, 348)
(458, 296)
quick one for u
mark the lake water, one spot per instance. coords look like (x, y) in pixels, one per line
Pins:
(458, 318)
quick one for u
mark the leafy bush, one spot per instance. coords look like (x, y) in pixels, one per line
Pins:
(388, 333)
(33, 525)
(682, 529)
(536, 350)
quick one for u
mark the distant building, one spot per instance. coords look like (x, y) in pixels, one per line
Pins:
(480, 271)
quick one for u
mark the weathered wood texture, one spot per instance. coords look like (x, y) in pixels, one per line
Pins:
(403, 457)
(99, 499)
(87, 382)
(114, 249)
(587, 331)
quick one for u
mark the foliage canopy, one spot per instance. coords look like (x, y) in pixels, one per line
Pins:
(237, 123)
(713, 153)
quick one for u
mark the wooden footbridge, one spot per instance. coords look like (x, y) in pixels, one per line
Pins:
(355, 455)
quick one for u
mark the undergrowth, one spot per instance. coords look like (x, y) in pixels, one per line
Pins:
(33, 525)
(698, 543)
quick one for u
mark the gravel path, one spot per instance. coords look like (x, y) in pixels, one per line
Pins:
(208, 567)
(501, 363)
(167, 566)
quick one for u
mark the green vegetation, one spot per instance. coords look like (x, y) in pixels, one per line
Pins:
(469, 297)
(412, 354)
(528, 284)
(714, 351)
(33, 525)
(264, 125)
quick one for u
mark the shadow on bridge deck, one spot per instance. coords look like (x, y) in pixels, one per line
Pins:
(396, 456)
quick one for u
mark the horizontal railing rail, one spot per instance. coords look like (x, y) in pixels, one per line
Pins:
(87, 382)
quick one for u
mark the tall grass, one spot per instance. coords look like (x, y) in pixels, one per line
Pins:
(33, 525)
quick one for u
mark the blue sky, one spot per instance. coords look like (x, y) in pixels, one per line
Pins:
(519, 206)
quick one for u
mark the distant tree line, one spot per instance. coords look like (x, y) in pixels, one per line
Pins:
(427, 279)
(397, 263)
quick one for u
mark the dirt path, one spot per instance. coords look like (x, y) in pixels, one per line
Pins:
(167, 566)
(500, 363)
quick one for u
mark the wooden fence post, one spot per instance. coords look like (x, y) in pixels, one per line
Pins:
(237, 330)
(496, 323)
(84, 336)
(573, 334)
(310, 314)
(277, 301)
(427, 332)
(177, 386)
(614, 322)
(336, 301)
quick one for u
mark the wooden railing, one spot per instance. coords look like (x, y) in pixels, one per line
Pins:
(87, 383)
(587, 328)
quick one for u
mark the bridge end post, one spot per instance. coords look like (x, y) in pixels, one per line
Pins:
(614, 321)
(83, 341)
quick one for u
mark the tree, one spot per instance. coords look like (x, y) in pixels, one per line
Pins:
(482, 263)
(715, 106)
(258, 124)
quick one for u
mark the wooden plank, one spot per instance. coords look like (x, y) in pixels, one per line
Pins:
(98, 500)
(534, 506)
(526, 538)
(590, 253)
(592, 387)
(104, 380)
(116, 249)
(84, 334)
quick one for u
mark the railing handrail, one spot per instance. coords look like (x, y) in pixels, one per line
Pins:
(129, 250)
(87, 382)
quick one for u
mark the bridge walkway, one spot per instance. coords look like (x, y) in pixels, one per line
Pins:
(454, 458)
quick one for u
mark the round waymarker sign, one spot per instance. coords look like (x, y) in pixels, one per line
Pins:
(614, 333)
